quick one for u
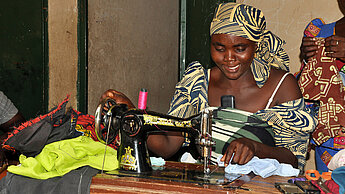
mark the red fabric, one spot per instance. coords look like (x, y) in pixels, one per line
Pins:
(86, 124)
(340, 64)
(332, 186)
(320, 80)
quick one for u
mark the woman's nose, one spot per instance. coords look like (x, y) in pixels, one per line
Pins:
(228, 57)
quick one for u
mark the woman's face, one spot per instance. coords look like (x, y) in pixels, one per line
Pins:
(232, 54)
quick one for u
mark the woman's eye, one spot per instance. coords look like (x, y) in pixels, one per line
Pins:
(220, 49)
(240, 49)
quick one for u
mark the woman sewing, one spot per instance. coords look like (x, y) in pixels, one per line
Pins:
(252, 66)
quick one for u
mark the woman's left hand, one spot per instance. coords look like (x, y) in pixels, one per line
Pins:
(243, 149)
(335, 45)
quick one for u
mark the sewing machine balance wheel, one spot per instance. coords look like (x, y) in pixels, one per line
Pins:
(104, 122)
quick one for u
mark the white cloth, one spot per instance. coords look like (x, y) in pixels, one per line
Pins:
(262, 167)
(337, 160)
(187, 158)
(157, 161)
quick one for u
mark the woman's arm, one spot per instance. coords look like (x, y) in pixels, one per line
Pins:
(8, 127)
(14, 121)
(165, 145)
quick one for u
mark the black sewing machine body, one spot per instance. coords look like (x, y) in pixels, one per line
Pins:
(133, 127)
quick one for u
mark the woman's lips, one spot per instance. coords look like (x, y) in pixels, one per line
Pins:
(232, 69)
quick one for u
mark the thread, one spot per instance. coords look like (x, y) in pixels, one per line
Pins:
(142, 99)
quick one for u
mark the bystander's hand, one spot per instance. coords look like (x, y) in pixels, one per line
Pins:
(335, 47)
(309, 48)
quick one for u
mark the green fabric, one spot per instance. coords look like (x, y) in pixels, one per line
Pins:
(229, 124)
(59, 158)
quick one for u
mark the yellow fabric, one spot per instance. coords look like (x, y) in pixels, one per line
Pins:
(59, 158)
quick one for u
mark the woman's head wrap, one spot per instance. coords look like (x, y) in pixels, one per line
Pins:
(249, 22)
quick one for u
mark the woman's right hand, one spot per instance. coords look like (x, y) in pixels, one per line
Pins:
(308, 48)
(240, 151)
(119, 98)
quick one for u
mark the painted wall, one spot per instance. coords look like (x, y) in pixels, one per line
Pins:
(288, 19)
(133, 44)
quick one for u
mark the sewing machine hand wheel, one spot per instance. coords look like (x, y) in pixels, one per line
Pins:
(104, 122)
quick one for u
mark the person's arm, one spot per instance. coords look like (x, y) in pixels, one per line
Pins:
(14, 121)
(5, 128)
(119, 97)
(245, 149)
(165, 145)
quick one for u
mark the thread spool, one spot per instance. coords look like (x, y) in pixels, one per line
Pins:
(142, 99)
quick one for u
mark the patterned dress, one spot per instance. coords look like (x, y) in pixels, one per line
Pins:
(321, 79)
(290, 122)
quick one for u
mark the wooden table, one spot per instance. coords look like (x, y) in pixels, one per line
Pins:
(104, 183)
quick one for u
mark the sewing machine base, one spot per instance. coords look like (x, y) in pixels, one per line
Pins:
(196, 176)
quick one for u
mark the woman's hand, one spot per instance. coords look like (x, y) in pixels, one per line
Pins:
(243, 149)
(309, 48)
(119, 98)
(335, 46)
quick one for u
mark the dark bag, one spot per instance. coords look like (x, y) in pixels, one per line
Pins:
(30, 137)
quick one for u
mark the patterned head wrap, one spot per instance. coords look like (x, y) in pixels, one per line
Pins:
(249, 22)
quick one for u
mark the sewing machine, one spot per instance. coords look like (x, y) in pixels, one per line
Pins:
(134, 125)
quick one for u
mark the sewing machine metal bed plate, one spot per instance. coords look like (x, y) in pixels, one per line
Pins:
(183, 172)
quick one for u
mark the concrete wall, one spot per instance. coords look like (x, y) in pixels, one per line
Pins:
(63, 51)
(133, 44)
